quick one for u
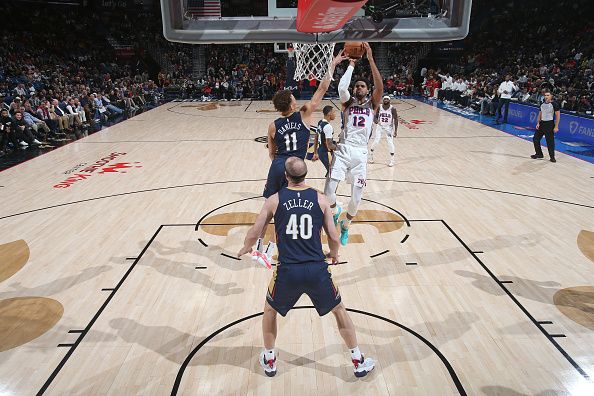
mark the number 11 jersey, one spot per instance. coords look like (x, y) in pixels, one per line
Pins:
(292, 136)
(298, 224)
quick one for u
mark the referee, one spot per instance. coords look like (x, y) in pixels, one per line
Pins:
(546, 126)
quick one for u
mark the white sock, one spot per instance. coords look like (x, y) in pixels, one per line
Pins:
(269, 354)
(346, 223)
(270, 249)
(356, 353)
(335, 209)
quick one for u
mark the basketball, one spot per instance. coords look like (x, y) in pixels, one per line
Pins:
(354, 49)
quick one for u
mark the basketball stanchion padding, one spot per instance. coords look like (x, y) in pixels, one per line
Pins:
(320, 16)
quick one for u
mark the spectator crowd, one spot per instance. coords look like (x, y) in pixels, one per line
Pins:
(63, 82)
(542, 49)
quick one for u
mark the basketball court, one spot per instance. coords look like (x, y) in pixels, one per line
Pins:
(469, 269)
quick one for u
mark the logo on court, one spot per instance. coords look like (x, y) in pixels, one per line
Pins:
(100, 166)
(119, 167)
(573, 127)
(420, 122)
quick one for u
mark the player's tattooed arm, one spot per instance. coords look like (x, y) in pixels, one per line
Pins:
(395, 120)
(271, 142)
(331, 145)
(316, 145)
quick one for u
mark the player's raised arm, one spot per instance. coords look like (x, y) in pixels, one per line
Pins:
(378, 83)
(344, 83)
(317, 97)
(271, 142)
(261, 221)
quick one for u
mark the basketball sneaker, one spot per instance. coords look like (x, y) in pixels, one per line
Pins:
(362, 367)
(259, 248)
(337, 214)
(391, 163)
(264, 258)
(269, 366)
(344, 234)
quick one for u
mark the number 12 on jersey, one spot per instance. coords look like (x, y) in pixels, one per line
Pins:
(359, 121)
(303, 229)
(292, 138)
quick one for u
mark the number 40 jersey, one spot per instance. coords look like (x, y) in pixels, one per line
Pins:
(357, 123)
(298, 222)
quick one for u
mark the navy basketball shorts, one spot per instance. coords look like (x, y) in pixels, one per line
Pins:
(276, 177)
(290, 281)
(324, 156)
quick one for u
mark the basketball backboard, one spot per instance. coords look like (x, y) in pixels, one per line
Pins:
(269, 21)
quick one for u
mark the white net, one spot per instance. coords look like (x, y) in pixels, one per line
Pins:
(313, 60)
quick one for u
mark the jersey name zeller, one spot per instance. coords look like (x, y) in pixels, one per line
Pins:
(296, 203)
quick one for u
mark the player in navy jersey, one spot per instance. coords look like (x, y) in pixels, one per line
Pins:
(324, 145)
(288, 136)
(300, 213)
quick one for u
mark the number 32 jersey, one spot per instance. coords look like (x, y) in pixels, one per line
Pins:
(292, 136)
(357, 123)
(298, 224)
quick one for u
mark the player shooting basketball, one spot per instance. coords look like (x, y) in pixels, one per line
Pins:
(288, 136)
(350, 160)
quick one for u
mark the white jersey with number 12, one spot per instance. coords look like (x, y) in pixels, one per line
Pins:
(358, 120)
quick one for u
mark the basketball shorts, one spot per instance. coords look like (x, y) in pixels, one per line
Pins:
(325, 157)
(290, 281)
(276, 177)
(349, 163)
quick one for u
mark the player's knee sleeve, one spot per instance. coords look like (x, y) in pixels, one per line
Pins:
(356, 195)
(330, 190)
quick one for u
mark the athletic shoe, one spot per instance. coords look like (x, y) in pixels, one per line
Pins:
(553, 160)
(263, 259)
(363, 366)
(536, 156)
(24, 144)
(344, 234)
(270, 365)
(391, 163)
(259, 248)
(337, 214)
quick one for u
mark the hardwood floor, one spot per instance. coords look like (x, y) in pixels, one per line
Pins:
(470, 268)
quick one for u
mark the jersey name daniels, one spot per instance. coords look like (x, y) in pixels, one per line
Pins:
(297, 203)
(288, 126)
(359, 110)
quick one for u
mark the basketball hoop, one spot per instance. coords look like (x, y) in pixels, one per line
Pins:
(313, 60)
